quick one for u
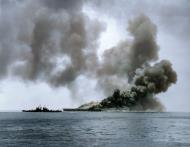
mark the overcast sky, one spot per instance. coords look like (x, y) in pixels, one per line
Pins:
(171, 17)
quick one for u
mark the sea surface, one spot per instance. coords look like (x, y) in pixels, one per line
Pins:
(94, 129)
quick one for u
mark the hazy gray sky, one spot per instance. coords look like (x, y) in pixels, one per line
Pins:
(107, 23)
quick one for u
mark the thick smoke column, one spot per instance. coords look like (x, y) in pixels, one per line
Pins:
(54, 41)
(121, 61)
(132, 59)
(143, 48)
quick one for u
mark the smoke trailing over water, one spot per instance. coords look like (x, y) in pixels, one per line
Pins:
(56, 42)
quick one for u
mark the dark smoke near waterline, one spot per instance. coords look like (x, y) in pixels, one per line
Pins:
(131, 60)
(140, 96)
(56, 42)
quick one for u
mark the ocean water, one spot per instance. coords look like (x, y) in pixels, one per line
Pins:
(94, 129)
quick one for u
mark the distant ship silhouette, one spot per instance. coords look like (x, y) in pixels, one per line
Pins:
(41, 109)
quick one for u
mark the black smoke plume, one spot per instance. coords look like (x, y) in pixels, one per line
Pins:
(132, 60)
(141, 95)
(54, 41)
(121, 61)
